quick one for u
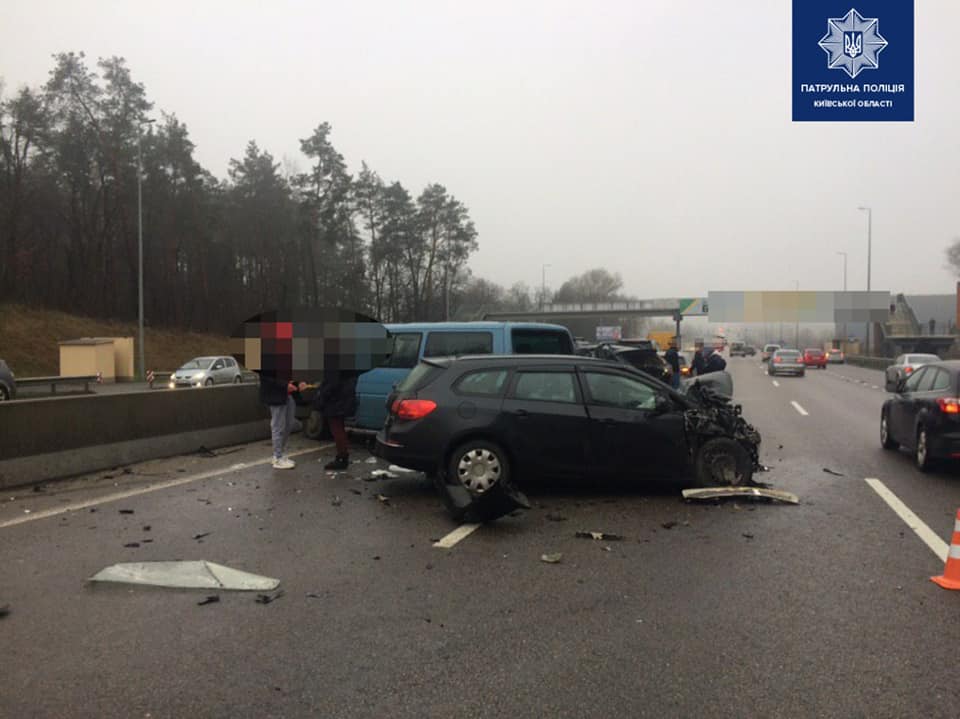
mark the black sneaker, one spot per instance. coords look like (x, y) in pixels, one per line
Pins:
(338, 463)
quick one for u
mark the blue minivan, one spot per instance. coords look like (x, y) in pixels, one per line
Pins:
(414, 341)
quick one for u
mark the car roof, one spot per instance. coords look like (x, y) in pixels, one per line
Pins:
(527, 359)
(467, 326)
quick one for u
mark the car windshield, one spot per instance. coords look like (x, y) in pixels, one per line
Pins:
(198, 363)
(922, 359)
(771, 348)
(788, 354)
(815, 353)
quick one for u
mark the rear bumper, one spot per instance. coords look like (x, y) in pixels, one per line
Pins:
(396, 453)
(944, 445)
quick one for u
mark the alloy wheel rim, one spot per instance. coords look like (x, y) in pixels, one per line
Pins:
(883, 430)
(478, 470)
(922, 448)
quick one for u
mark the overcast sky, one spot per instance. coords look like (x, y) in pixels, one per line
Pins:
(651, 138)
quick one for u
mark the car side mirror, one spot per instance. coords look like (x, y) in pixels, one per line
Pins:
(662, 404)
(901, 384)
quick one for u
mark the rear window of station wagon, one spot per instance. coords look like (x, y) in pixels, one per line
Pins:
(488, 382)
(540, 342)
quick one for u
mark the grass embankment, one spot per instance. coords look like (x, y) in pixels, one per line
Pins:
(29, 337)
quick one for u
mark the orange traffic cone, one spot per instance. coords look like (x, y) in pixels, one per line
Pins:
(950, 579)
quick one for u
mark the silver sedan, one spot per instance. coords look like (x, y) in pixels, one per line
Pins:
(786, 362)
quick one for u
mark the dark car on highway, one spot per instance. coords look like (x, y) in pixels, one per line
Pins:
(8, 384)
(924, 414)
(474, 424)
(643, 357)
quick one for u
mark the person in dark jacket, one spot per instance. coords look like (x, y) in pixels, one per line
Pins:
(673, 359)
(714, 362)
(336, 400)
(279, 395)
(698, 365)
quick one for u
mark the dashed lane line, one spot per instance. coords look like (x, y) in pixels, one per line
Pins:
(801, 410)
(117, 496)
(457, 535)
(937, 545)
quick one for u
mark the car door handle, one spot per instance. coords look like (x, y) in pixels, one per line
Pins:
(608, 420)
(521, 413)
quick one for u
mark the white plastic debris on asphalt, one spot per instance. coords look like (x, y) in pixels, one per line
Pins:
(185, 575)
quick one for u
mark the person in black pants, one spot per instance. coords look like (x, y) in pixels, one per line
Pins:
(336, 400)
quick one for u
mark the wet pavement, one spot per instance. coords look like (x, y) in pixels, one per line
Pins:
(731, 609)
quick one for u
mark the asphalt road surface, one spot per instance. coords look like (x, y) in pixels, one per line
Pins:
(824, 609)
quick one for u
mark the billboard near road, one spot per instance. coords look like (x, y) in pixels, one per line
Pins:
(799, 306)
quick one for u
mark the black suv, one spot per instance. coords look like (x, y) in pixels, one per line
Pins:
(473, 424)
(643, 357)
(8, 385)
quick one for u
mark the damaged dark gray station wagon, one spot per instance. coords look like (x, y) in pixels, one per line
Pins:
(477, 424)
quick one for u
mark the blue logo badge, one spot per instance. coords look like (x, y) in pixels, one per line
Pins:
(852, 43)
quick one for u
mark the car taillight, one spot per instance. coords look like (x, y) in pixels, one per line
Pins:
(949, 405)
(907, 369)
(413, 408)
(778, 360)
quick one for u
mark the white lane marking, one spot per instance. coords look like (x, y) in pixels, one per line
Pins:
(775, 383)
(117, 496)
(801, 410)
(457, 535)
(937, 545)
(874, 386)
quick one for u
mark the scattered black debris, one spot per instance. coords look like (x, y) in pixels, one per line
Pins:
(429, 567)
(109, 476)
(556, 517)
(146, 541)
(92, 510)
(779, 446)
(4, 611)
(181, 469)
(376, 557)
(39, 488)
(748, 535)
(212, 599)
(336, 501)
(383, 499)
(599, 536)
(127, 470)
(830, 471)
(356, 491)
(669, 525)
(434, 540)
(204, 452)
(267, 598)
(552, 558)
(311, 595)
(146, 527)
(132, 545)
(126, 511)
(201, 535)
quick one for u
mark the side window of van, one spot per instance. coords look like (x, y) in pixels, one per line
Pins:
(452, 344)
(406, 350)
(540, 342)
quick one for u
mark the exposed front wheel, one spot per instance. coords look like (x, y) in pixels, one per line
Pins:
(209, 382)
(722, 462)
(238, 379)
(4, 395)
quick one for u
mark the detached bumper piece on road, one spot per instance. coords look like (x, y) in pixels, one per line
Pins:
(185, 575)
(740, 493)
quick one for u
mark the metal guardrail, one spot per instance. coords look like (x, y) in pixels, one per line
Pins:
(54, 381)
(880, 363)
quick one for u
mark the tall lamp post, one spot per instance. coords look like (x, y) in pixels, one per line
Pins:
(796, 327)
(844, 289)
(543, 284)
(869, 212)
(140, 124)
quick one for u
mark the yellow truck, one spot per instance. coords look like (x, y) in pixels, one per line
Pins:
(662, 338)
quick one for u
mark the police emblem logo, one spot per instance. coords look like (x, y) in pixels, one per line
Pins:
(853, 43)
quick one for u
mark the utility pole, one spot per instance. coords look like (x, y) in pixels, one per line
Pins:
(844, 289)
(140, 356)
(796, 302)
(869, 212)
(543, 284)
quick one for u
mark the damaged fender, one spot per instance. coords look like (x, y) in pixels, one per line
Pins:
(715, 417)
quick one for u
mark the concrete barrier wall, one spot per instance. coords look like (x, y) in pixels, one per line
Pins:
(869, 362)
(48, 438)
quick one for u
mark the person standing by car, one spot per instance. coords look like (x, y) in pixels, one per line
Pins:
(699, 364)
(714, 362)
(673, 359)
(279, 397)
(336, 400)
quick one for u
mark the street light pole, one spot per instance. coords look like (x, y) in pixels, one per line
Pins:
(796, 328)
(140, 356)
(869, 212)
(844, 289)
(543, 284)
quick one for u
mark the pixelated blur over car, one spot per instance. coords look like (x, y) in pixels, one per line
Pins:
(768, 351)
(836, 357)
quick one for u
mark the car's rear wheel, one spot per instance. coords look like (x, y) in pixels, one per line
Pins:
(479, 466)
(921, 454)
(238, 379)
(4, 394)
(886, 440)
(209, 382)
(722, 462)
